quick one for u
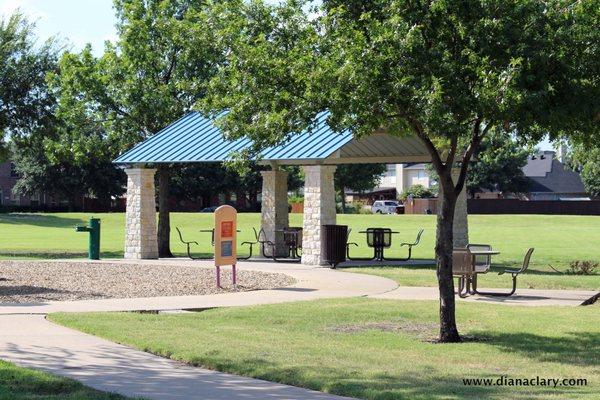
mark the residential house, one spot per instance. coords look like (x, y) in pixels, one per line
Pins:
(550, 180)
(8, 180)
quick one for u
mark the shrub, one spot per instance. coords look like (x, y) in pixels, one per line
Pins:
(356, 207)
(417, 191)
(582, 267)
(295, 199)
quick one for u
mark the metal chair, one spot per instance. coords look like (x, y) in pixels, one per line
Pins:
(348, 244)
(410, 246)
(251, 245)
(514, 273)
(462, 267)
(188, 247)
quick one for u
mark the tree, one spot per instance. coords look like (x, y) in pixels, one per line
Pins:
(153, 74)
(586, 160)
(418, 191)
(498, 165)
(44, 166)
(356, 177)
(204, 181)
(25, 102)
(447, 73)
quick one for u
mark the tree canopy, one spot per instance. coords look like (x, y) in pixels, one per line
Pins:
(586, 160)
(445, 72)
(25, 102)
(154, 73)
(498, 165)
(356, 177)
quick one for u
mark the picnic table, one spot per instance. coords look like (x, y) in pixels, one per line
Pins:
(379, 239)
(212, 232)
(292, 238)
(469, 268)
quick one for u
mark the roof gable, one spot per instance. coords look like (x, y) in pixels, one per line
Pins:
(195, 138)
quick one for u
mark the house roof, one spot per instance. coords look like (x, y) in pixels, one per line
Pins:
(415, 166)
(549, 175)
(195, 138)
(539, 165)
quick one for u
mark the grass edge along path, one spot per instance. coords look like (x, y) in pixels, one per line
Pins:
(373, 349)
(17, 383)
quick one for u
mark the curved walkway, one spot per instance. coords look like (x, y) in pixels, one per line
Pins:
(29, 340)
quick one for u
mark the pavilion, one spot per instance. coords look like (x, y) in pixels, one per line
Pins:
(196, 139)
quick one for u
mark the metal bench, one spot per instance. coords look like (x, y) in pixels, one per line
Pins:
(514, 273)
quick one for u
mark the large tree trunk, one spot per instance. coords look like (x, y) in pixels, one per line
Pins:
(164, 220)
(443, 255)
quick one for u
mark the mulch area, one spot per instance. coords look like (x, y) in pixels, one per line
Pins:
(38, 281)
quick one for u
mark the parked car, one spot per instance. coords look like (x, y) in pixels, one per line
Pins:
(386, 207)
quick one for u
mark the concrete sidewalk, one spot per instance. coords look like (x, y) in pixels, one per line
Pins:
(31, 341)
(523, 297)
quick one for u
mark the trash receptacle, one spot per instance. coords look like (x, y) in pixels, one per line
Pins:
(333, 242)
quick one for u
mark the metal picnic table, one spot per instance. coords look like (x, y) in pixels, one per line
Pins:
(379, 239)
(292, 238)
(469, 276)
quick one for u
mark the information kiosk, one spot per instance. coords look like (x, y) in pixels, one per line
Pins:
(226, 241)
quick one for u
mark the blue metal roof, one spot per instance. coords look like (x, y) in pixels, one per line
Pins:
(195, 138)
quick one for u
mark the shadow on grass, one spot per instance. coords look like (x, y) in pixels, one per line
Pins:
(388, 266)
(579, 348)
(492, 272)
(20, 383)
(429, 383)
(43, 220)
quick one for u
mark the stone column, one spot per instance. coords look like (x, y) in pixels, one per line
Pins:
(140, 218)
(319, 209)
(274, 208)
(461, 223)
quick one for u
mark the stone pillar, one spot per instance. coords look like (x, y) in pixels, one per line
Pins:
(140, 218)
(274, 208)
(319, 209)
(461, 223)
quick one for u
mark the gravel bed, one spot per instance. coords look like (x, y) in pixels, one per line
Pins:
(36, 282)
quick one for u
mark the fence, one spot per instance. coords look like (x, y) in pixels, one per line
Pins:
(515, 206)
(511, 206)
(420, 206)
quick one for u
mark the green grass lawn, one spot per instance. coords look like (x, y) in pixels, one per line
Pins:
(557, 240)
(374, 349)
(20, 383)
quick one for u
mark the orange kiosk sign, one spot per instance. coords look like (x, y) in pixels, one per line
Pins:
(225, 240)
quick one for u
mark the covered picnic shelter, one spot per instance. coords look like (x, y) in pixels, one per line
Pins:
(196, 139)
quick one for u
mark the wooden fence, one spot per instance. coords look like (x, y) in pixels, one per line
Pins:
(511, 206)
(515, 206)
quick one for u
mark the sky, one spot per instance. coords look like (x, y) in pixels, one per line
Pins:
(78, 22)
